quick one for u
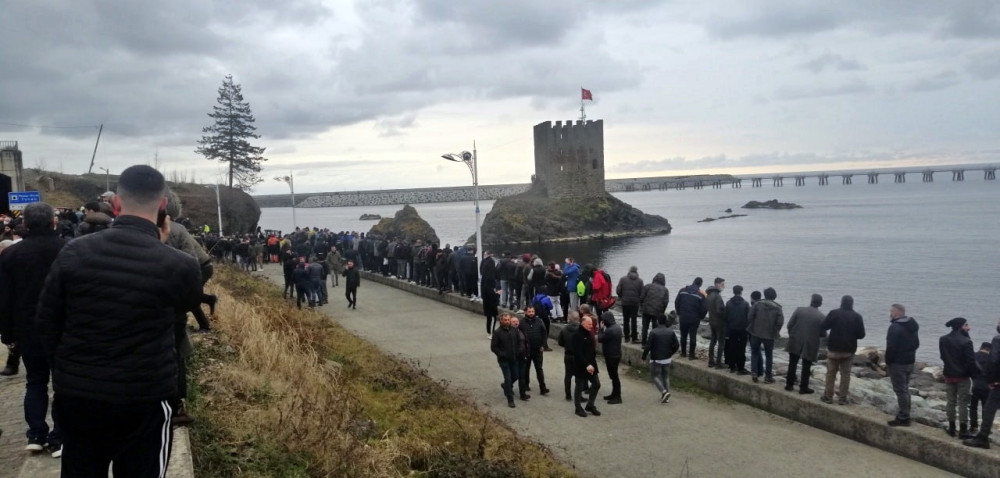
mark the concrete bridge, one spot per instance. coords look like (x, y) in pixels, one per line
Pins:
(662, 183)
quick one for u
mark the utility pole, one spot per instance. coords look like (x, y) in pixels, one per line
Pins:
(92, 156)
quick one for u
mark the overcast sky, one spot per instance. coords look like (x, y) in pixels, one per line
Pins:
(369, 94)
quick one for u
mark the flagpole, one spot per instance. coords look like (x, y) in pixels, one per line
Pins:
(583, 113)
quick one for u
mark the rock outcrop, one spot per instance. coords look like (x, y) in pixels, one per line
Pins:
(533, 218)
(406, 224)
(370, 217)
(772, 204)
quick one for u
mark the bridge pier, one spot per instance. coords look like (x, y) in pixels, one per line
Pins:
(737, 183)
(929, 176)
(824, 180)
(776, 181)
(846, 178)
(958, 175)
(800, 180)
(680, 186)
(989, 174)
(756, 182)
(717, 184)
(900, 177)
(872, 178)
(697, 184)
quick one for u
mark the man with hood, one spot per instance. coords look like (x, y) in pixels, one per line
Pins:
(506, 345)
(901, 343)
(653, 302)
(629, 290)
(737, 311)
(535, 334)
(690, 307)
(959, 369)
(716, 321)
(844, 327)
(764, 326)
(660, 348)
(565, 341)
(991, 375)
(804, 332)
(610, 337)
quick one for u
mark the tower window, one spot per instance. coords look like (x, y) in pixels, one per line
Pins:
(594, 162)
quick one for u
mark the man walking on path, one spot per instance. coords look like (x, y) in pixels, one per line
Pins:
(690, 307)
(352, 280)
(535, 334)
(764, 327)
(901, 343)
(803, 343)
(660, 348)
(653, 302)
(333, 264)
(844, 327)
(506, 345)
(585, 361)
(716, 321)
(737, 313)
(959, 369)
(118, 415)
(610, 337)
(629, 289)
(991, 373)
(565, 340)
(23, 267)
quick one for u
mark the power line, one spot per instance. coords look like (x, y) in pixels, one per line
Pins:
(48, 127)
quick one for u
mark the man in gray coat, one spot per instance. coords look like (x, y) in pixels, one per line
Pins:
(765, 321)
(804, 332)
(629, 290)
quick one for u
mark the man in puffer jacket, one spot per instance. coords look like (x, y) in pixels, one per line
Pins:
(629, 290)
(765, 321)
(690, 307)
(653, 302)
(717, 321)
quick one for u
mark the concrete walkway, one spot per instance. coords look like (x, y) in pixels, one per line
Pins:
(690, 436)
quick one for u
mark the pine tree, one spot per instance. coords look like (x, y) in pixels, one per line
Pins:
(228, 139)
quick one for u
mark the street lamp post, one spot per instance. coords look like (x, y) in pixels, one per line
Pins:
(218, 205)
(471, 160)
(107, 178)
(290, 179)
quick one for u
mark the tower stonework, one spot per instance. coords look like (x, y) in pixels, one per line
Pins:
(569, 158)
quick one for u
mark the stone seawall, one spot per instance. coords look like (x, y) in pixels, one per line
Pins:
(921, 443)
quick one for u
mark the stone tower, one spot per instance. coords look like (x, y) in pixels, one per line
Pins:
(569, 158)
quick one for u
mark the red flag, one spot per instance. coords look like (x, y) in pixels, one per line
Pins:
(586, 95)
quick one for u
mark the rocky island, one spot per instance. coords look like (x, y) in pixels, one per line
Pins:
(406, 225)
(532, 218)
(370, 217)
(772, 204)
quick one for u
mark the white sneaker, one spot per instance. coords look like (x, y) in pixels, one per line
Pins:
(489, 336)
(34, 446)
(57, 453)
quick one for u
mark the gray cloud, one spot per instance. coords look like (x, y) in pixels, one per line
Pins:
(801, 92)
(976, 19)
(939, 81)
(773, 19)
(984, 66)
(833, 61)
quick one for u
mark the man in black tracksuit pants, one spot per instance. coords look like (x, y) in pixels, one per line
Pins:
(610, 336)
(565, 341)
(107, 319)
(535, 334)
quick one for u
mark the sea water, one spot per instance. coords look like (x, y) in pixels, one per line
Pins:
(929, 246)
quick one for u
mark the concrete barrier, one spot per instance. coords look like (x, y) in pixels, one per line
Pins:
(921, 443)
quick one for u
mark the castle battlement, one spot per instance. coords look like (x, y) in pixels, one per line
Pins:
(569, 158)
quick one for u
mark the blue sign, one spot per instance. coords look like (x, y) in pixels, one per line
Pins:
(18, 200)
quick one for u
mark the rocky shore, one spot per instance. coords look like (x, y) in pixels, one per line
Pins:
(772, 204)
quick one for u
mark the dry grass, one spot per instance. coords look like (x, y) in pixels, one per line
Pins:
(283, 392)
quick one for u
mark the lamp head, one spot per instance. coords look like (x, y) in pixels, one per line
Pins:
(451, 157)
(466, 156)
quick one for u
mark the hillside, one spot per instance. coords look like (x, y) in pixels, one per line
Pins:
(239, 211)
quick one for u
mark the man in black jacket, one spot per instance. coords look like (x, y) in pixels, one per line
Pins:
(901, 344)
(585, 361)
(565, 341)
(506, 345)
(107, 318)
(737, 318)
(660, 348)
(610, 337)
(845, 328)
(352, 280)
(991, 374)
(629, 290)
(535, 334)
(959, 369)
(24, 266)
(690, 307)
